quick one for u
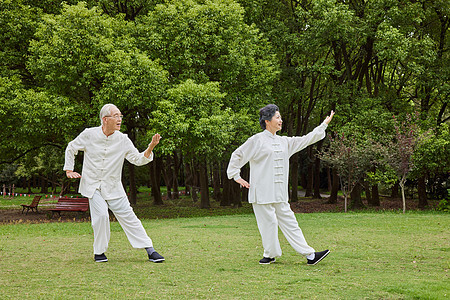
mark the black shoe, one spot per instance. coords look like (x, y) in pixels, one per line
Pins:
(318, 257)
(266, 261)
(155, 257)
(100, 257)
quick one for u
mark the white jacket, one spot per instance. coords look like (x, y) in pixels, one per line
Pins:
(103, 161)
(269, 155)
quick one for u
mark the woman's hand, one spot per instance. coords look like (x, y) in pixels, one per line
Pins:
(72, 174)
(243, 183)
(328, 118)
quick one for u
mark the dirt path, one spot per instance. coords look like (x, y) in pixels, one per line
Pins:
(304, 206)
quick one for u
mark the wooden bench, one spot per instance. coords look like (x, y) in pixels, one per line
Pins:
(33, 206)
(70, 204)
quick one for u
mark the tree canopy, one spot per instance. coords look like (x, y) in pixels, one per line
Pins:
(198, 71)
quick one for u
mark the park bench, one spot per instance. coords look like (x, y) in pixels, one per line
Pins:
(70, 204)
(33, 206)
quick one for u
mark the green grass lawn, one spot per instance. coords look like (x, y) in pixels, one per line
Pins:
(374, 256)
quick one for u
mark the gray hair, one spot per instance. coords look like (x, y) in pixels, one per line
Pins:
(267, 113)
(106, 111)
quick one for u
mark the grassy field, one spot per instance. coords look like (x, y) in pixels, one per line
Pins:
(374, 256)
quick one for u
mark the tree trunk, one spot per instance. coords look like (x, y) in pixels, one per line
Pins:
(44, 185)
(216, 181)
(394, 190)
(243, 191)
(294, 178)
(29, 186)
(329, 182)
(422, 191)
(195, 182)
(355, 197)
(226, 197)
(54, 183)
(225, 200)
(402, 187)
(204, 187)
(132, 188)
(310, 176)
(375, 196)
(63, 187)
(188, 182)
(132, 191)
(194, 195)
(368, 193)
(155, 177)
(334, 187)
(236, 192)
(176, 166)
(345, 202)
(317, 173)
(168, 174)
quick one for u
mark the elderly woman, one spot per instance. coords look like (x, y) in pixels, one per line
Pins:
(269, 155)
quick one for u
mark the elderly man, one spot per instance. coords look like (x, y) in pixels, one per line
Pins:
(105, 149)
(268, 154)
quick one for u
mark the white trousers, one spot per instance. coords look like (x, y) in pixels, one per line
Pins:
(271, 216)
(124, 213)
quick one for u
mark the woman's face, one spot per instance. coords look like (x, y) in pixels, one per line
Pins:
(275, 123)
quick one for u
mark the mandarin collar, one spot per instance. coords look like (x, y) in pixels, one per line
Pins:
(269, 134)
(100, 132)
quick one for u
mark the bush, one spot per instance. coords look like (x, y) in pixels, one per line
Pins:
(444, 205)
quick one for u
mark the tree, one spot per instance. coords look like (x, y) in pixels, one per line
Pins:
(207, 45)
(134, 83)
(210, 42)
(431, 160)
(91, 59)
(401, 150)
(194, 121)
(350, 159)
(130, 9)
(306, 56)
(29, 119)
(18, 23)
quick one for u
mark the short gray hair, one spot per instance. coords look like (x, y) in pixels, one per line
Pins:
(106, 111)
(267, 113)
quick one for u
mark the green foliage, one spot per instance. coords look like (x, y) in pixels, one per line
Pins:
(432, 155)
(70, 49)
(194, 120)
(91, 59)
(444, 204)
(135, 84)
(368, 61)
(209, 41)
(384, 175)
(129, 8)
(44, 164)
(17, 25)
(30, 119)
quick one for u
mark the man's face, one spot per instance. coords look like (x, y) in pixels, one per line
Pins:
(114, 121)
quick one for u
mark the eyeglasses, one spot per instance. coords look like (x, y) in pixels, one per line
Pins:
(116, 117)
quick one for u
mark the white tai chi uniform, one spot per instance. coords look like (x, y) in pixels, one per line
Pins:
(101, 183)
(269, 155)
